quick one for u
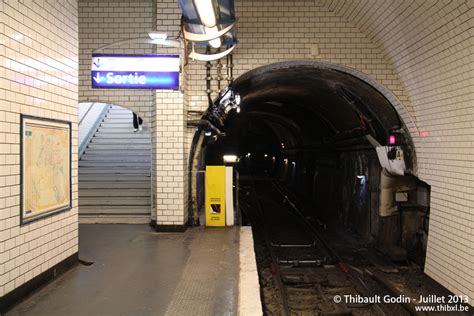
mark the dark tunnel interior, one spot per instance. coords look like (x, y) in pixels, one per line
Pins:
(308, 128)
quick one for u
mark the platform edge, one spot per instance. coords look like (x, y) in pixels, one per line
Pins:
(249, 302)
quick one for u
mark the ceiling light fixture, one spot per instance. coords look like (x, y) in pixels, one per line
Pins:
(206, 13)
(210, 23)
(215, 43)
(157, 35)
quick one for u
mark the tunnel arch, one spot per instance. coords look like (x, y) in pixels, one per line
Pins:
(408, 120)
(387, 93)
(314, 127)
(243, 85)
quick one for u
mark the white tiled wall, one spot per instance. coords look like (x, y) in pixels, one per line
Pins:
(276, 31)
(103, 22)
(430, 46)
(38, 76)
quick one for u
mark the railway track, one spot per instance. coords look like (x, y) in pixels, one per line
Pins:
(301, 271)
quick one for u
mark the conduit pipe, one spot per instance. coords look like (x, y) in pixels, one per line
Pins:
(194, 155)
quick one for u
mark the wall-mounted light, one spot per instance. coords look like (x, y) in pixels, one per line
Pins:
(361, 179)
(157, 36)
(229, 100)
(208, 133)
(230, 158)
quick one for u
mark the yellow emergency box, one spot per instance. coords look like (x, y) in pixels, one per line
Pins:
(215, 196)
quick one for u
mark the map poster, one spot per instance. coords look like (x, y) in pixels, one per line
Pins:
(45, 167)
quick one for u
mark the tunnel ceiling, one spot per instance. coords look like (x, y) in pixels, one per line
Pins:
(322, 105)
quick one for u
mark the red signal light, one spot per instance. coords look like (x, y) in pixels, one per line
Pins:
(392, 140)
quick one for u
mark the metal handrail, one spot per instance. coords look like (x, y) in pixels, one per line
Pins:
(87, 112)
(90, 134)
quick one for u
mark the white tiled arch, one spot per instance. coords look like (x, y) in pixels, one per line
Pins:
(405, 116)
(144, 111)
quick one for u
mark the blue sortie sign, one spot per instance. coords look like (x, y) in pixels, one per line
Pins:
(135, 71)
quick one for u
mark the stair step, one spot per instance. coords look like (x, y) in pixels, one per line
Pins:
(131, 185)
(113, 177)
(119, 146)
(122, 192)
(115, 171)
(114, 209)
(114, 218)
(129, 135)
(106, 155)
(118, 153)
(125, 140)
(112, 121)
(115, 164)
(122, 130)
(118, 169)
(117, 125)
(116, 201)
(115, 114)
(118, 118)
(110, 158)
(123, 120)
(119, 115)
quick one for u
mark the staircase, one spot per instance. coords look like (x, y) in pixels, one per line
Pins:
(114, 172)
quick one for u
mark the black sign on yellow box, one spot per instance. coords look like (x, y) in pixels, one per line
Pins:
(215, 195)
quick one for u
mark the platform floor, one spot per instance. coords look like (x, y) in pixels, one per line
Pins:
(137, 271)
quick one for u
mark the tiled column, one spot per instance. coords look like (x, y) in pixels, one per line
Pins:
(169, 143)
(170, 164)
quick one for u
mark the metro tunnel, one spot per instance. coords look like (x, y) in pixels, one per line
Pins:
(311, 132)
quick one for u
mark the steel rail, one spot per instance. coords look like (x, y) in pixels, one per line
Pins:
(274, 265)
(343, 266)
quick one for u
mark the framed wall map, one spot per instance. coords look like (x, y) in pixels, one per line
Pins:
(45, 167)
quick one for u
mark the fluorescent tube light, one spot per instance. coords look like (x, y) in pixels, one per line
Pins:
(206, 13)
